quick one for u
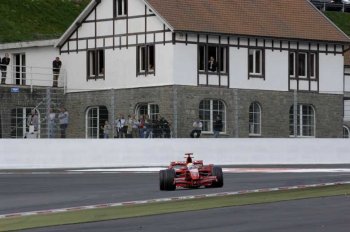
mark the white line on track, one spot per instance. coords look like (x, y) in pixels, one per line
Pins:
(156, 169)
(226, 170)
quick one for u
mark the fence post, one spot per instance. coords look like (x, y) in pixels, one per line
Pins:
(236, 113)
(295, 114)
(112, 120)
(64, 81)
(31, 78)
(175, 116)
(48, 107)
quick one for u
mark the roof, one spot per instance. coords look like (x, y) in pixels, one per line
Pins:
(29, 44)
(289, 19)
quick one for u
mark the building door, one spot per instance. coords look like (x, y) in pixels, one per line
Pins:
(19, 69)
(19, 117)
(95, 119)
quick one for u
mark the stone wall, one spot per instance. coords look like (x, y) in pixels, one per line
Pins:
(179, 105)
(29, 98)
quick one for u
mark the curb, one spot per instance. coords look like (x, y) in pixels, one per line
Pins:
(108, 205)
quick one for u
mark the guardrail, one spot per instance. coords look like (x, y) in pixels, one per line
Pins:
(82, 153)
(331, 6)
(33, 76)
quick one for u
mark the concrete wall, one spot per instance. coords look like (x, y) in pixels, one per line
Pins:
(84, 153)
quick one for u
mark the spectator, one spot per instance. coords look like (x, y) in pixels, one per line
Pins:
(63, 120)
(134, 127)
(52, 123)
(165, 127)
(142, 127)
(212, 64)
(197, 128)
(33, 121)
(128, 124)
(156, 131)
(3, 65)
(217, 126)
(56, 67)
(122, 127)
(148, 126)
(106, 130)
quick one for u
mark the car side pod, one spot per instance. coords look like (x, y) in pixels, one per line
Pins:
(167, 180)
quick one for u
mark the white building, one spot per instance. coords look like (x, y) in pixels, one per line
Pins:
(279, 66)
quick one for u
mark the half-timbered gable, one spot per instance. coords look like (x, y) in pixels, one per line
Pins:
(119, 42)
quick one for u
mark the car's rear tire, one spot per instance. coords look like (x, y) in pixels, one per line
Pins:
(217, 171)
(166, 180)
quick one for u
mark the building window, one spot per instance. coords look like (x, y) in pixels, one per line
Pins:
(346, 132)
(254, 119)
(19, 69)
(145, 59)
(209, 109)
(256, 62)
(19, 124)
(120, 8)
(292, 64)
(304, 121)
(304, 64)
(213, 59)
(95, 64)
(150, 109)
(95, 119)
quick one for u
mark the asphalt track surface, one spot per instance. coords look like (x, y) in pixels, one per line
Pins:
(21, 192)
(329, 214)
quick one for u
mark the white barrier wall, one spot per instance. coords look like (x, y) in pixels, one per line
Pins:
(85, 153)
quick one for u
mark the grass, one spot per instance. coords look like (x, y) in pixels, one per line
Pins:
(342, 20)
(120, 212)
(26, 20)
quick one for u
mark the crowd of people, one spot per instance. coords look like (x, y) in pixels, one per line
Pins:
(62, 118)
(129, 127)
(142, 127)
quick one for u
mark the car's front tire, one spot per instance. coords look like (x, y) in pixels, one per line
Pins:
(217, 171)
(166, 180)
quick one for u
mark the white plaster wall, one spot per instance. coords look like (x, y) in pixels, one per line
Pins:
(276, 70)
(120, 70)
(185, 64)
(331, 73)
(238, 67)
(75, 64)
(38, 64)
(136, 7)
(104, 9)
(82, 153)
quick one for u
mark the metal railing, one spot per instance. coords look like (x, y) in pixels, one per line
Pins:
(33, 76)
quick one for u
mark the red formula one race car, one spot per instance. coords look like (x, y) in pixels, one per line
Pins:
(190, 174)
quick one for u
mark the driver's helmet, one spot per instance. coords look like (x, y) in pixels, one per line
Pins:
(190, 165)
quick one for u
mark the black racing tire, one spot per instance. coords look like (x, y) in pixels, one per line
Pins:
(217, 171)
(166, 180)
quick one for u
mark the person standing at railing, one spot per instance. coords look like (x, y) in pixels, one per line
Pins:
(4, 62)
(56, 67)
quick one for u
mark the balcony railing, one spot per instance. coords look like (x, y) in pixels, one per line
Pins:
(34, 76)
